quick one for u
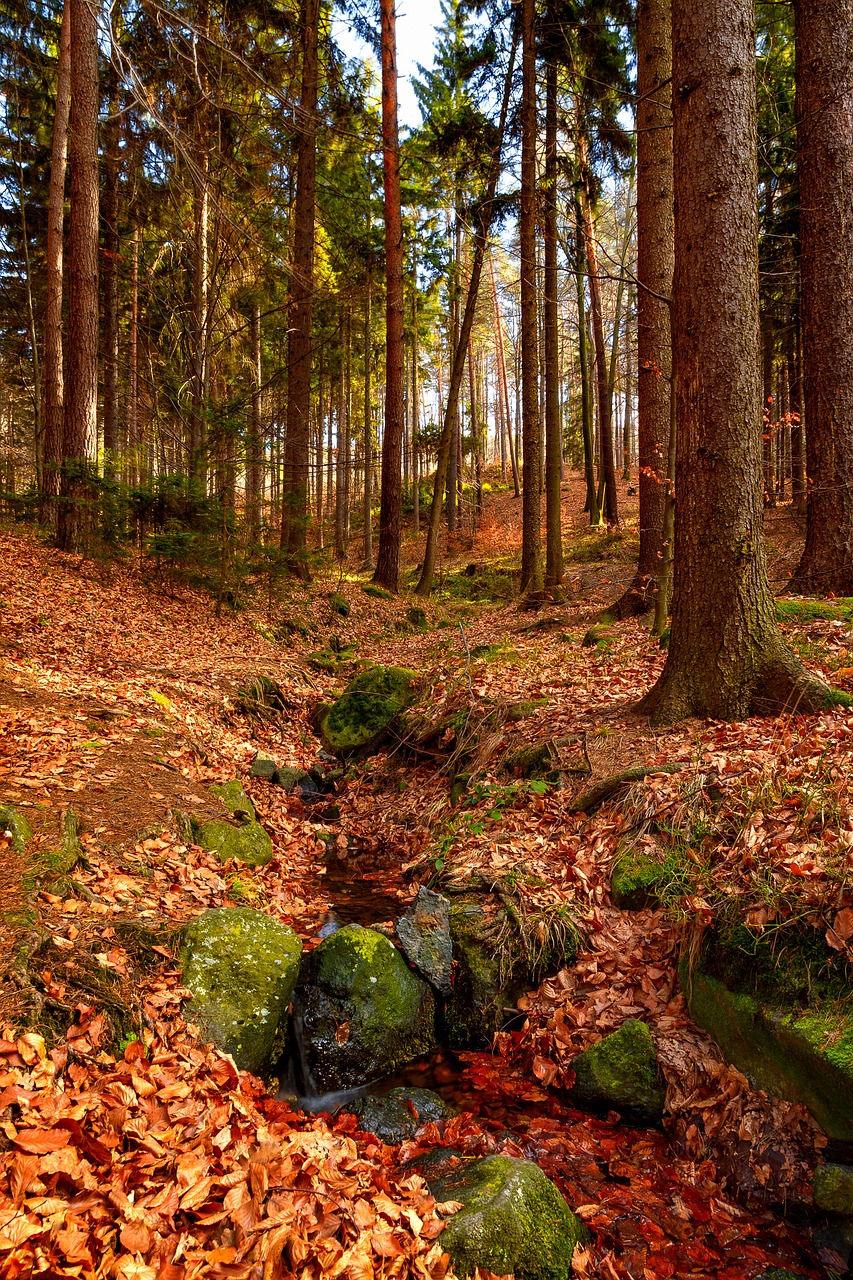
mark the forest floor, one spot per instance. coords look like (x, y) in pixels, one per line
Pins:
(129, 1148)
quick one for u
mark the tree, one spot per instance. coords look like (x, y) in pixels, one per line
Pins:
(824, 61)
(655, 255)
(726, 657)
(553, 440)
(390, 499)
(300, 350)
(80, 410)
(531, 546)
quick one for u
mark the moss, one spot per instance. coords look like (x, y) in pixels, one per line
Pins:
(802, 1056)
(17, 826)
(635, 881)
(339, 604)
(322, 660)
(621, 1071)
(522, 710)
(598, 636)
(417, 618)
(802, 611)
(514, 1221)
(53, 867)
(241, 967)
(377, 593)
(790, 966)
(234, 797)
(832, 1187)
(838, 698)
(363, 1012)
(358, 722)
(250, 843)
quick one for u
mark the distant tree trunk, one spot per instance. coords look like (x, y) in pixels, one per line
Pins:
(300, 348)
(587, 424)
(504, 382)
(112, 160)
(768, 415)
(655, 260)
(134, 442)
(453, 469)
(416, 418)
(605, 405)
(254, 469)
(531, 536)
(390, 499)
(553, 441)
(726, 658)
(52, 373)
(80, 416)
(368, 433)
(795, 400)
(824, 55)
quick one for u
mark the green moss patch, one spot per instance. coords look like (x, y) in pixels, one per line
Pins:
(18, 828)
(804, 611)
(361, 719)
(621, 1072)
(234, 797)
(249, 843)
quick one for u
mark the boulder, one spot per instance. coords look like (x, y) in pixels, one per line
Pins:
(361, 1011)
(621, 1072)
(416, 617)
(398, 1115)
(424, 933)
(339, 604)
(296, 781)
(263, 766)
(241, 967)
(250, 843)
(514, 1220)
(234, 797)
(360, 720)
(832, 1185)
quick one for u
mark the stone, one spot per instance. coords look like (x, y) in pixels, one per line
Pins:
(361, 1011)
(250, 843)
(377, 593)
(398, 1115)
(832, 1186)
(514, 1220)
(295, 781)
(360, 721)
(636, 881)
(621, 1072)
(417, 618)
(241, 967)
(263, 766)
(424, 932)
(234, 797)
(16, 825)
(339, 604)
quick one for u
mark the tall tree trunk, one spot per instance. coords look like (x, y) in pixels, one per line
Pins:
(416, 417)
(368, 433)
(553, 442)
(134, 442)
(480, 240)
(587, 424)
(300, 348)
(504, 381)
(655, 261)
(531, 535)
(824, 55)
(112, 160)
(200, 380)
(254, 467)
(726, 658)
(80, 416)
(605, 404)
(795, 396)
(52, 373)
(390, 499)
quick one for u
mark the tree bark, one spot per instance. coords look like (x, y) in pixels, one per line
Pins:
(824, 61)
(368, 433)
(254, 460)
(726, 658)
(655, 260)
(531, 537)
(605, 404)
(52, 372)
(300, 348)
(80, 413)
(390, 498)
(553, 441)
(112, 160)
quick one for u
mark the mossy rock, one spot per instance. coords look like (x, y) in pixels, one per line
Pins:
(621, 1073)
(360, 720)
(362, 1011)
(323, 660)
(339, 604)
(803, 1055)
(17, 826)
(805, 611)
(250, 843)
(416, 617)
(597, 637)
(234, 797)
(377, 593)
(295, 780)
(536, 761)
(514, 1221)
(832, 1187)
(241, 967)
(635, 881)
(523, 710)
(398, 1115)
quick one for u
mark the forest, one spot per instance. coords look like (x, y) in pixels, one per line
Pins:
(426, 640)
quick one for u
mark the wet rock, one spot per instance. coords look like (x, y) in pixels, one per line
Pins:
(424, 932)
(241, 967)
(361, 1011)
(775, 1274)
(295, 781)
(360, 720)
(836, 1237)
(621, 1072)
(398, 1115)
(832, 1186)
(17, 827)
(250, 843)
(263, 766)
(514, 1220)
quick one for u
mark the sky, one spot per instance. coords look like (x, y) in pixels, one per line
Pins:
(416, 23)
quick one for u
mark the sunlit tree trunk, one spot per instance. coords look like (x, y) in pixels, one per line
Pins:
(531, 543)
(367, 497)
(553, 442)
(112, 160)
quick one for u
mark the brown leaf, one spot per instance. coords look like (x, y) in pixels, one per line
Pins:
(40, 1141)
(136, 1237)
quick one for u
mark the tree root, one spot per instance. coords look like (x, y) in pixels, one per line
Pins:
(595, 795)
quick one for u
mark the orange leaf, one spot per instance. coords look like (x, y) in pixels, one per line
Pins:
(40, 1141)
(136, 1237)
